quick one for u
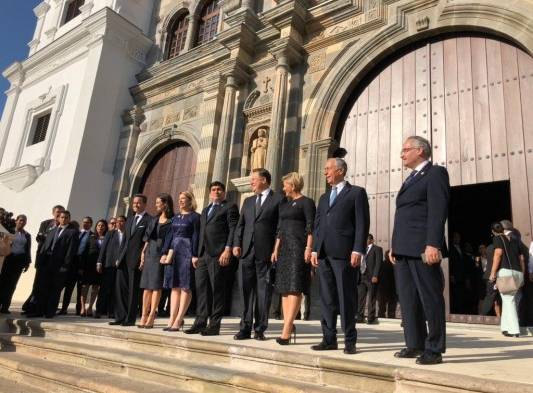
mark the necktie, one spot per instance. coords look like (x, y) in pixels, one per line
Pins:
(212, 210)
(363, 261)
(137, 219)
(332, 195)
(410, 177)
(258, 205)
(56, 236)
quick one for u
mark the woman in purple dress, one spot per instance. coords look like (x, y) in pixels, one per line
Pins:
(179, 253)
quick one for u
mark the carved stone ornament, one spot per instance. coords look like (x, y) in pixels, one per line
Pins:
(258, 149)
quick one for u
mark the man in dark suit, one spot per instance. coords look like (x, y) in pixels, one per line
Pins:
(75, 273)
(45, 227)
(217, 228)
(255, 236)
(56, 257)
(368, 285)
(128, 274)
(15, 263)
(421, 213)
(106, 265)
(341, 230)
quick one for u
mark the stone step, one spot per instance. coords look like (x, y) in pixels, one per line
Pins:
(297, 367)
(58, 377)
(154, 367)
(15, 384)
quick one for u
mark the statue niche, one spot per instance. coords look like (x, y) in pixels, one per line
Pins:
(258, 148)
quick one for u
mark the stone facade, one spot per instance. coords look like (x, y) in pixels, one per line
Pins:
(289, 67)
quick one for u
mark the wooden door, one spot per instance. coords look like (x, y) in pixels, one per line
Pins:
(171, 171)
(471, 96)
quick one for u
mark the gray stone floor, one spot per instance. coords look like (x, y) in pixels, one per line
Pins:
(473, 350)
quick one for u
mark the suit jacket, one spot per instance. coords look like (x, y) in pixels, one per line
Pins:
(110, 250)
(45, 227)
(63, 256)
(130, 252)
(218, 230)
(373, 259)
(342, 227)
(260, 231)
(421, 212)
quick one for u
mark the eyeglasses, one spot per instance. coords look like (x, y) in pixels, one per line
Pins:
(407, 149)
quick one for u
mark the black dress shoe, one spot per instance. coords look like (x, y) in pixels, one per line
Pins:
(62, 312)
(323, 346)
(372, 321)
(194, 329)
(127, 324)
(242, 336)
(360, 320)
(210, 331)
(408, 353)
(260, 336)
(349, 348)
(112, 323)
(34, 315)
(428, 358)
(506, 334)
(5, 312)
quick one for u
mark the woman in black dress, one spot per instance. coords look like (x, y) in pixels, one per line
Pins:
(292, 251)
(90, 276)
(152, 269)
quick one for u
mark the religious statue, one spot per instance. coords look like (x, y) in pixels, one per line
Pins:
(259, 149)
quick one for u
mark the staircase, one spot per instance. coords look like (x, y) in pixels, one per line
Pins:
(50, 356)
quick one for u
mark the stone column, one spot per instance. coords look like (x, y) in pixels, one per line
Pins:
(277, 124)
(191, 32)
(220, 170)
(40, 12)
(9, 110)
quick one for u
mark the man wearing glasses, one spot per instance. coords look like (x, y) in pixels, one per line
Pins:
(417, 242)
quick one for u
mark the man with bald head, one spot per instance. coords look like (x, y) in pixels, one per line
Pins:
(417, 247)
(339, 243)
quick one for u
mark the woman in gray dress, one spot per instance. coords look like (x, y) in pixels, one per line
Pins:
(152, 269)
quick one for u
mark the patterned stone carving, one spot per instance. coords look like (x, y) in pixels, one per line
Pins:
(317, 62)
(190, 113)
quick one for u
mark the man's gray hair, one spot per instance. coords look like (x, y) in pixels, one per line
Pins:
(341, 164)
(422, 143)
(507, 225)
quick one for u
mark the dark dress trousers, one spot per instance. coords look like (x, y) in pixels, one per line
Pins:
(75, 275)
(14, 265)
(217, 230)
(57, 256)
(339, 230)
(109, 254)
(45, 227)
(256, 235)
(128, 274)
(421, 213)
(367, 290)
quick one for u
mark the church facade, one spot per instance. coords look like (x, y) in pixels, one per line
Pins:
(166, 95)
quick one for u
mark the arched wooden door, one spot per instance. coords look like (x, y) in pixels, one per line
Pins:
(471, 96)
(171, 171)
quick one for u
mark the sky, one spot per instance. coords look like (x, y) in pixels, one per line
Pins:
(17, 24)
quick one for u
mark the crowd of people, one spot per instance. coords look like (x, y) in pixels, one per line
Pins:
(150, 265)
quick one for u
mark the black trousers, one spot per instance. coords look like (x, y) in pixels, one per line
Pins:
(387, 305)
(210, 281)
(338, 295)
(420, 290)
(9, 277)
(48, 290)
(256, 290)
(72, 280)
(127, 293)
(367, 293)
(105, 301)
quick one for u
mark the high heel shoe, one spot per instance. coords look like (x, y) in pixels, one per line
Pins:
(286, 341)
(177, 329)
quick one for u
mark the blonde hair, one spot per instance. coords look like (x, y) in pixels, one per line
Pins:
(295, 179)
(192, 200)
